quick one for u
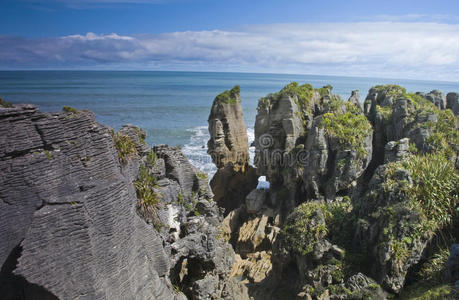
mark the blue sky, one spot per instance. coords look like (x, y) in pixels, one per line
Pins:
(410, 39)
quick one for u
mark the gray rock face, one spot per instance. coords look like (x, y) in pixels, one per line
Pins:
(396, 150)
(452, 265)
(278, 128)
(355, 99)
(452, 102)
(68, 215)
(255, 200)
(229, 149)
(332, 166)
(380, 209)
(228, 142)
(438, 98)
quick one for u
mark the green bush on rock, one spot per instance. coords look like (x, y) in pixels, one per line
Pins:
(435, 191)
(391, 90)
(5, 104)
(313, 221)
(229, 96)
(125, 146)
(69, 109)
(145, 185)
(349, 128)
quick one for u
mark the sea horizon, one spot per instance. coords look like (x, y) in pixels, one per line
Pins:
(231, 72)
(172, 106)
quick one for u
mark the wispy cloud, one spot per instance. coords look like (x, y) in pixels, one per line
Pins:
(389, 49)
(437, 18)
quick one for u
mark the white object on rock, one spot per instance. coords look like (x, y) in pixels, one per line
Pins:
(262, 183)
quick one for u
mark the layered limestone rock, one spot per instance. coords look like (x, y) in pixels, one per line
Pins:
(301, 144)
(330, 249)
(281, 125)
(69, 226)
(334, 162)
(92, 214)
(452, 102)
(228, 142)
(229, 149)
(438, 98)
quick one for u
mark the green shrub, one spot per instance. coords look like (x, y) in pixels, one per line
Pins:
(391, 90)
(350, 129)
(145, 185)
(303, 228)
(125, 146)
(433, 269)
(180, 199)
(5, 104)
(229, 96)
(430, 199)
(140, 134)
(421, 291)
(69, 109)
(325, 90)
(445, 134)
(151, 158)
(303, 93)
(202, 175)
(435, 191)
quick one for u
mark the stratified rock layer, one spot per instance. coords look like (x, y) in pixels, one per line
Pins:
(68, 215)
(229, 149)
(228, 142)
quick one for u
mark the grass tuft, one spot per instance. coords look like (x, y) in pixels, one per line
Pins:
(230, 96)
(125, 146)
(69, 109)
(5, 104)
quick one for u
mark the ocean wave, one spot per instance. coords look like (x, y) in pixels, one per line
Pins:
(196, 149)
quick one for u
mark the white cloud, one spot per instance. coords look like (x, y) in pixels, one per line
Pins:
(387, 49)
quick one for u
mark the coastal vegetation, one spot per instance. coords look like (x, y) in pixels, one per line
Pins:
(125, 146)
(349, 128)
(145, 186)
(230, 96)
(5, 104)
(69, 109)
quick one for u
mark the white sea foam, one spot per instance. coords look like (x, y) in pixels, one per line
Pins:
(196, 149)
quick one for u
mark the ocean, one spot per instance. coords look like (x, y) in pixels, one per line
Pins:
(172, 107)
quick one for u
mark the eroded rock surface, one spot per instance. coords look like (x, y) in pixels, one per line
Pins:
(229, 149)
(228, 142)
(68, 215)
